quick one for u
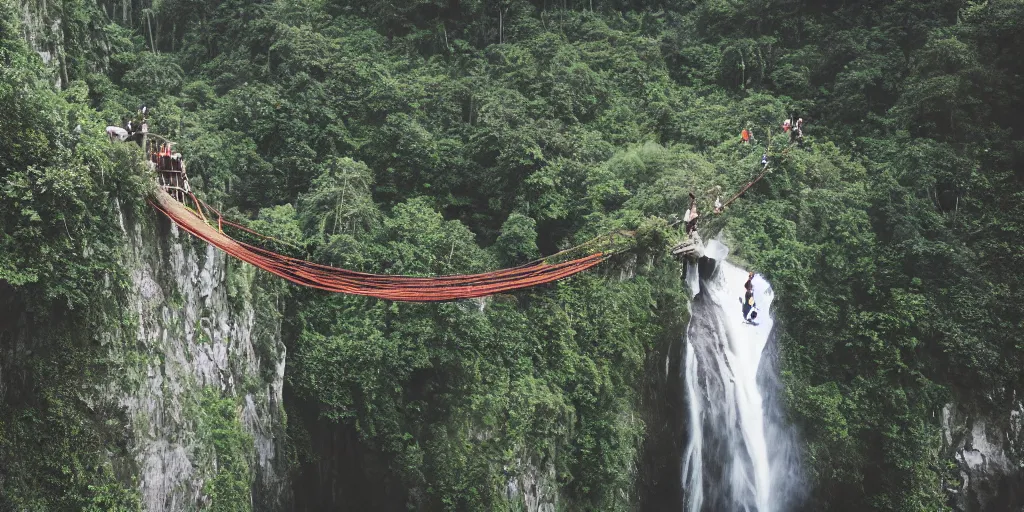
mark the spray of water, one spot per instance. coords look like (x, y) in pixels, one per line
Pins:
(740, 455)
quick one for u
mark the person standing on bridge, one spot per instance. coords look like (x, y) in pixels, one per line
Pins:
(690, 217)
(714, 194)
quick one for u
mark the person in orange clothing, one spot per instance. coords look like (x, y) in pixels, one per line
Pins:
(745, 136)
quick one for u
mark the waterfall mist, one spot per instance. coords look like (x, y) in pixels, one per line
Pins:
(741, 455)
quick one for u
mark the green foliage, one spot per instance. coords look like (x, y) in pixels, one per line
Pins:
(340, 200)
(517, 242)
(53, 445)
(58, 180)
(427, 138)
(63, 191)
(221, 431)
(454, 395)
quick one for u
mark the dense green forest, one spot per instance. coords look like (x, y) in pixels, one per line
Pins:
(434, 137)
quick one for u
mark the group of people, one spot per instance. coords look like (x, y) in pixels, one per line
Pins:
(795, 129)
(134, 129)
(169, 166)
(171, 171)
(165, 160)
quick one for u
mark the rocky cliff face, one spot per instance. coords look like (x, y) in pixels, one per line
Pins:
(988, 449)
(195, 341)
(42, 30)
(535, 487)
(171, 387)
(67, 36)
(192, 371)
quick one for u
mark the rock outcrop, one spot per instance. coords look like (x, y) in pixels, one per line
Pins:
(988, 449)
(195, 340)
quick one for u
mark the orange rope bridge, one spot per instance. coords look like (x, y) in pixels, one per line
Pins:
(391, 287)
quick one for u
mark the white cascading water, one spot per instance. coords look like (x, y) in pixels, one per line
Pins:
(741, 455)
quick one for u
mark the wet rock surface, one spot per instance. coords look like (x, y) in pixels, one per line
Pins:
(192, 338)
(987, 449)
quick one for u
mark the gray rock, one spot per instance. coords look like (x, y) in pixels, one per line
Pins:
(192, 337)
(533, 486)
(986, 448)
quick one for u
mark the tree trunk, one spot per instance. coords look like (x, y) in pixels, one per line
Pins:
(149, 24)
(743, 71)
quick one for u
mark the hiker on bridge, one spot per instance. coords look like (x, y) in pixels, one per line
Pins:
(690, 217)
(714, 195)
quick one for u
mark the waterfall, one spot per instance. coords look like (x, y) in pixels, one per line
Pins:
(741, 455)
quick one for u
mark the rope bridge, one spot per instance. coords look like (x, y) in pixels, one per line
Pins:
(172, 178)
(391, 287)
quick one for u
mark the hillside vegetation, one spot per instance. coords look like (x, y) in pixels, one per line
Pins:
(429, 137)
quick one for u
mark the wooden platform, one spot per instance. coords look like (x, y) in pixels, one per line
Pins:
(692, 246)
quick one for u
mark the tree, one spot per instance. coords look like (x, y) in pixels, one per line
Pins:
(339, 200)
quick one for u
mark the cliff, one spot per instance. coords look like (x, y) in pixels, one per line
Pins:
(987, 450)
(202, 342)
(181, 386)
